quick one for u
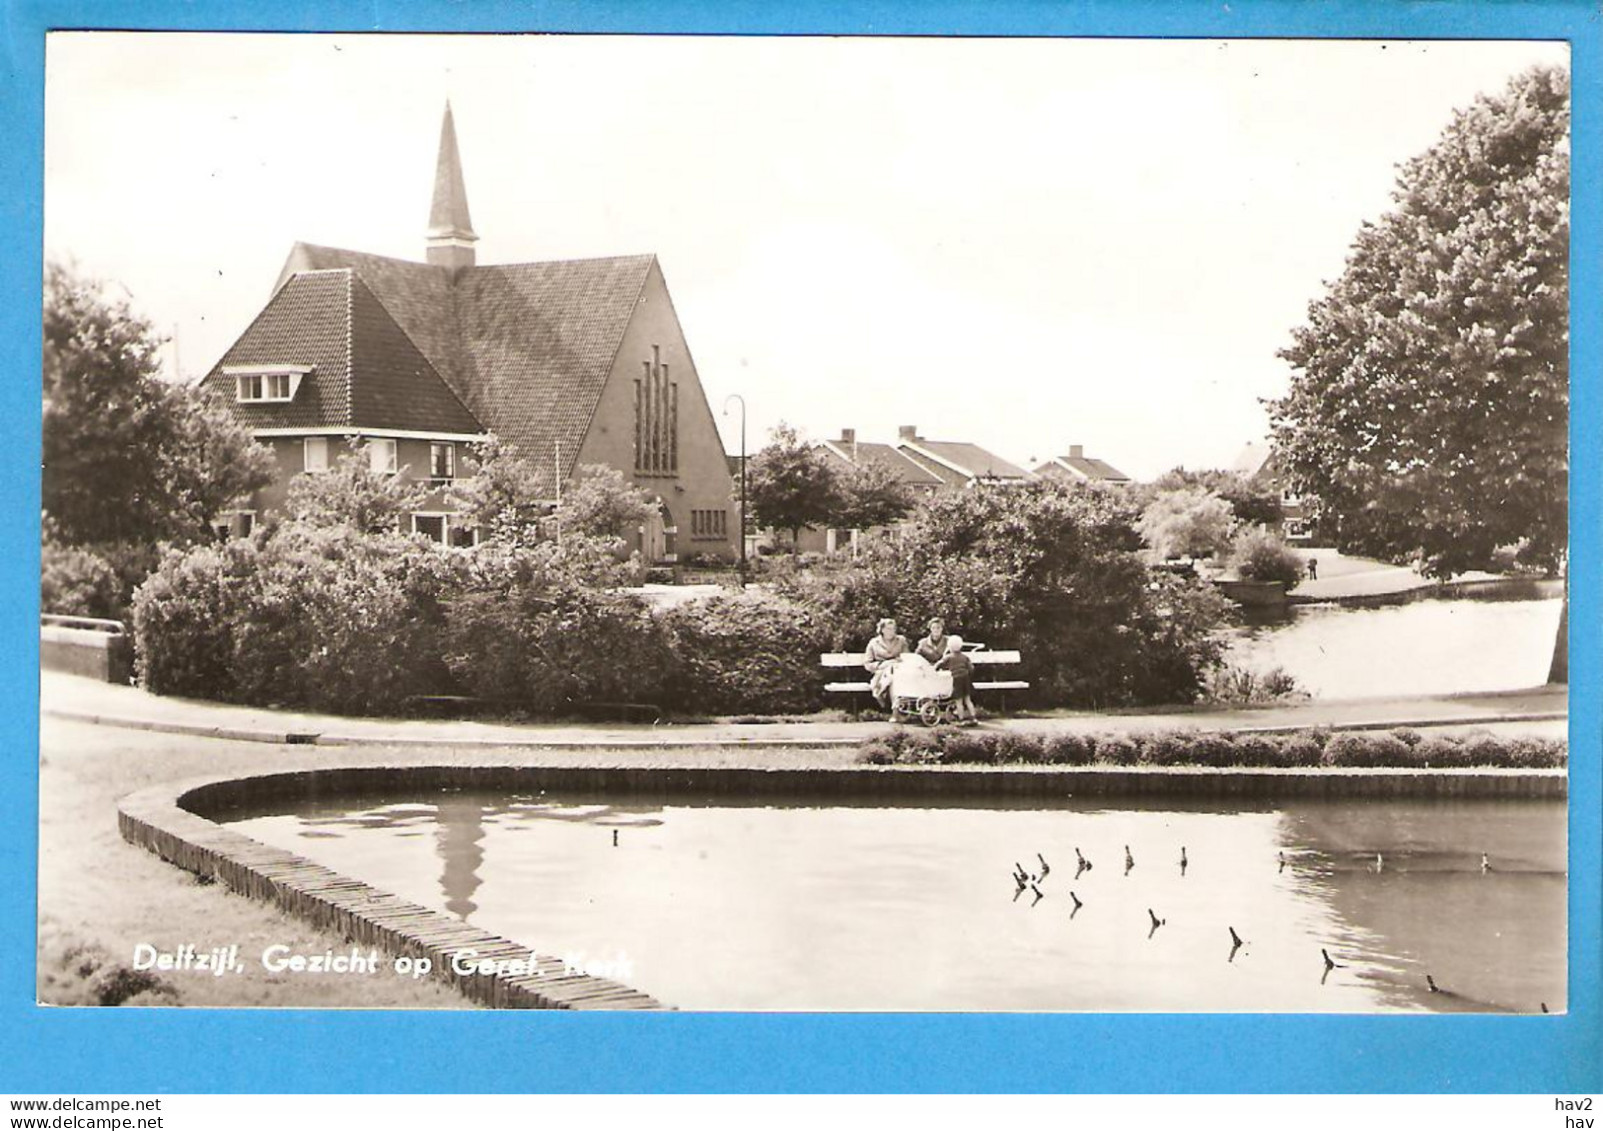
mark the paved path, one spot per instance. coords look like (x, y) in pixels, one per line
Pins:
(1536, 711)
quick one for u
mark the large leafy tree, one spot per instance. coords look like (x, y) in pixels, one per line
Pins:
(1254, 502)
(129, 457)
(1429, 405)
(790, 484)
(1187, 521)
(869, 495)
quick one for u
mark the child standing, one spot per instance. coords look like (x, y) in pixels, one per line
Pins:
(957, 662)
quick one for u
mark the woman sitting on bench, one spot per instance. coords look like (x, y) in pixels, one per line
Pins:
(880, 658)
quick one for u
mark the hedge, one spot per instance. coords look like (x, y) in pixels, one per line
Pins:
(1399, 748)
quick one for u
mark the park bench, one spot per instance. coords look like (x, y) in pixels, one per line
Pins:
(978, 653)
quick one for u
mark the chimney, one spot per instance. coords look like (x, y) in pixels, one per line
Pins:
(450, 235)
(907, 433)
(848, 435)
(1076, 451)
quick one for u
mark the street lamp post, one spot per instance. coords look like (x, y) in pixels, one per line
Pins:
(742, 400)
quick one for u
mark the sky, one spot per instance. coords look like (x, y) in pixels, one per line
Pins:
(1024, 243)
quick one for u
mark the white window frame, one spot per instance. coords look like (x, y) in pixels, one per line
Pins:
(266, 384)
(435, 447)
(391, 466)
(310, 444)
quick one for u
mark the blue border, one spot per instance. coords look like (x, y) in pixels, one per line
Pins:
(178, 1050)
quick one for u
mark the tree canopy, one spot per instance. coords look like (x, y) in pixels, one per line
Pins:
(351, 495)
(1189, 521)
(789, 483)
(129, 457)
(1253, 501)
(1428, 409)
(869, 495)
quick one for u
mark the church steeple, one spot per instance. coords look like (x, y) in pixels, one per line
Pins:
(450, 235)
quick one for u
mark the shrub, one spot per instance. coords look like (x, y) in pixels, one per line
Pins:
(1300, 750)
(1187, 521)
(1257, 750)
(1069, 749)
(968, 746)
(1258, 555)
(1054, 572)
(1439, 752)
(1215, 748)
(1167, 748)
(1117, 750)
(76, 581)
(751, 651)
(1018, 746)
(1366, 750)
(184, 620)
(322, 619)
(526, 633)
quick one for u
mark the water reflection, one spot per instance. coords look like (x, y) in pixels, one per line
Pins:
(1425, 648)
(855, 907)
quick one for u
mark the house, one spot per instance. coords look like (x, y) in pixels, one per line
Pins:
(924, 467)
(849, 452)
(956, 464)
(569, 362)
(1261, 464)
(1076, 467)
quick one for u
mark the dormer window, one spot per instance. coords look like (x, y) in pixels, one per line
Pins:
(266, 384)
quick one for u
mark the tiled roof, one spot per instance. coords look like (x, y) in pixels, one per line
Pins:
(526, 347)
(365, 373)
(1093, 469)
(418, 296)
(306, 323)
(392, 383)
(906, 469)
(974, 461)
(538, 342)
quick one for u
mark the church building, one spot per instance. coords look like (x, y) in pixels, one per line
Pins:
(569, 362)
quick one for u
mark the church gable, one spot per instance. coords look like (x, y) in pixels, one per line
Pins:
(653, 422)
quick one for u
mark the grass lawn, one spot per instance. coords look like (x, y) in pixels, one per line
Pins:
(99, 896)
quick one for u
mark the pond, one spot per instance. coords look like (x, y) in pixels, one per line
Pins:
(722, 906)
(1429, 647)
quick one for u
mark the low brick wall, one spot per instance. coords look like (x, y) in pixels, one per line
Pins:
(105, 656)
(951, 784)
(155, 819)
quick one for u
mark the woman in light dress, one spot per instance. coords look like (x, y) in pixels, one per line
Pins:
(881, 657)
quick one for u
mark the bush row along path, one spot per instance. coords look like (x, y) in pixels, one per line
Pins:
(1537, 711)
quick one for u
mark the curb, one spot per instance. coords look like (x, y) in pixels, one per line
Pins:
(155, 819)
(310, 738)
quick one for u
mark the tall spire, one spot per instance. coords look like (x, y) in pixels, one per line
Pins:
(450, 235)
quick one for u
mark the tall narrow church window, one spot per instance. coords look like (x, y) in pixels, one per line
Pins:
(656, 418)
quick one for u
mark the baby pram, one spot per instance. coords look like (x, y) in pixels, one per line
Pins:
(919, 691)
